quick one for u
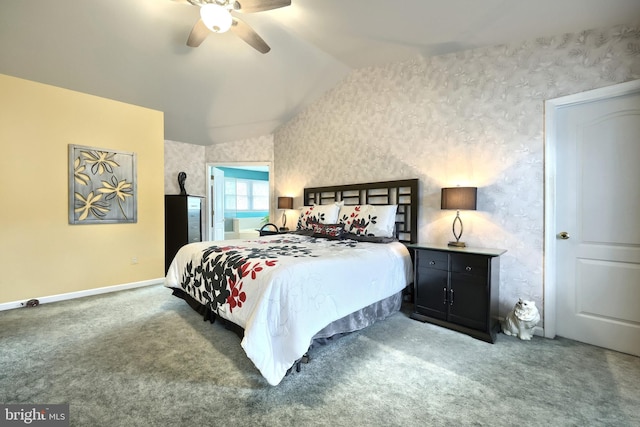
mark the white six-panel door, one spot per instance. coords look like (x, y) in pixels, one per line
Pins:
(595, 224)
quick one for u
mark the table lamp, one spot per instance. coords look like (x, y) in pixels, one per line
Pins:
(285, 203)
(458, 198)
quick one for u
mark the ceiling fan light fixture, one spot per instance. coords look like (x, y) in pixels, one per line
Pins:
(216, 18)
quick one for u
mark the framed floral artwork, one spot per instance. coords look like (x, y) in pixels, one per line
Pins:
(102, 186)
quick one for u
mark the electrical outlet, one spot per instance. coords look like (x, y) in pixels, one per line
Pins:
(134, 260)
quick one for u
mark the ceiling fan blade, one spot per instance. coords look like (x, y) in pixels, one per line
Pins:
(250, 6)
(199, 32)
(246, 33)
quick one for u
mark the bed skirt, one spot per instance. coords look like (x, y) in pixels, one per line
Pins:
(361, 318)
(355, 321)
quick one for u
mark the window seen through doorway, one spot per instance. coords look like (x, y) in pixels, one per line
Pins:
(246, 195)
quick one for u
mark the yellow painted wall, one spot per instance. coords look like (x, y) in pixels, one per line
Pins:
(41, 254)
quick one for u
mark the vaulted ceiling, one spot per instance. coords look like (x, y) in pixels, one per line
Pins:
(135, 50)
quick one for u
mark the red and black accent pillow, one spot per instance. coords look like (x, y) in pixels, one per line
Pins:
(329, 231)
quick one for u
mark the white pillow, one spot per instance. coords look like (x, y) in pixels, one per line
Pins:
(353, 217)
(317, 214)
(369, 220)
(386, 224)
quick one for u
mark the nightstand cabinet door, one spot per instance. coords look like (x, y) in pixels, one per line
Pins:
(469, 294)
(431, 283)
(431, 287)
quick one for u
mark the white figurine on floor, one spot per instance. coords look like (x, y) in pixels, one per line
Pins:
(521, 320)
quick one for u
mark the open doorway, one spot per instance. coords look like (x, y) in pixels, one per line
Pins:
(239, 199)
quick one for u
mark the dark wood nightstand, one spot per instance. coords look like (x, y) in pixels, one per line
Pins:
(457, 288)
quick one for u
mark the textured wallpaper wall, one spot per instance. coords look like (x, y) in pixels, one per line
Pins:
(192, 159)
(188, 158)
(259, 149)
(474, 118)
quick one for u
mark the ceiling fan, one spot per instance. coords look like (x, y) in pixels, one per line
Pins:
(218, 16)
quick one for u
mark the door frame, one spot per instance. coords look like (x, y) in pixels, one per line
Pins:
(215, 202)
(550, 174)
(209, 202)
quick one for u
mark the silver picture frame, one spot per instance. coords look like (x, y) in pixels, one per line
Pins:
(102, 186)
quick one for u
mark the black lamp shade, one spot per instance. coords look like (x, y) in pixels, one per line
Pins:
(285, 202)
(460, 198)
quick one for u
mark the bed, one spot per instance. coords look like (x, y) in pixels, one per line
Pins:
(343, 268)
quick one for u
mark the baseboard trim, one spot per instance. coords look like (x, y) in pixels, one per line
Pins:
(84, 293)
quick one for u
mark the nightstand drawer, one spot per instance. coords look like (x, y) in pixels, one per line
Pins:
(432, 259)
(469, 264)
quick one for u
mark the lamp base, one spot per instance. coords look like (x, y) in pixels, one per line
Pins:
(457, 244)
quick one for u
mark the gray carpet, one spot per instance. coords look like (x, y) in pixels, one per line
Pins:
(144, 358)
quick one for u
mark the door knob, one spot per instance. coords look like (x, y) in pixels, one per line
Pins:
(563, 235)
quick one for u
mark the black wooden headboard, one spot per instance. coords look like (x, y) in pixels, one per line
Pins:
(404, 193)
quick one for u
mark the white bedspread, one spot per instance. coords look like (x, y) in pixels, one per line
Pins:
(283, 289)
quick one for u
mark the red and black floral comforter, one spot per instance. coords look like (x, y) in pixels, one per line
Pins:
(283, 289)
